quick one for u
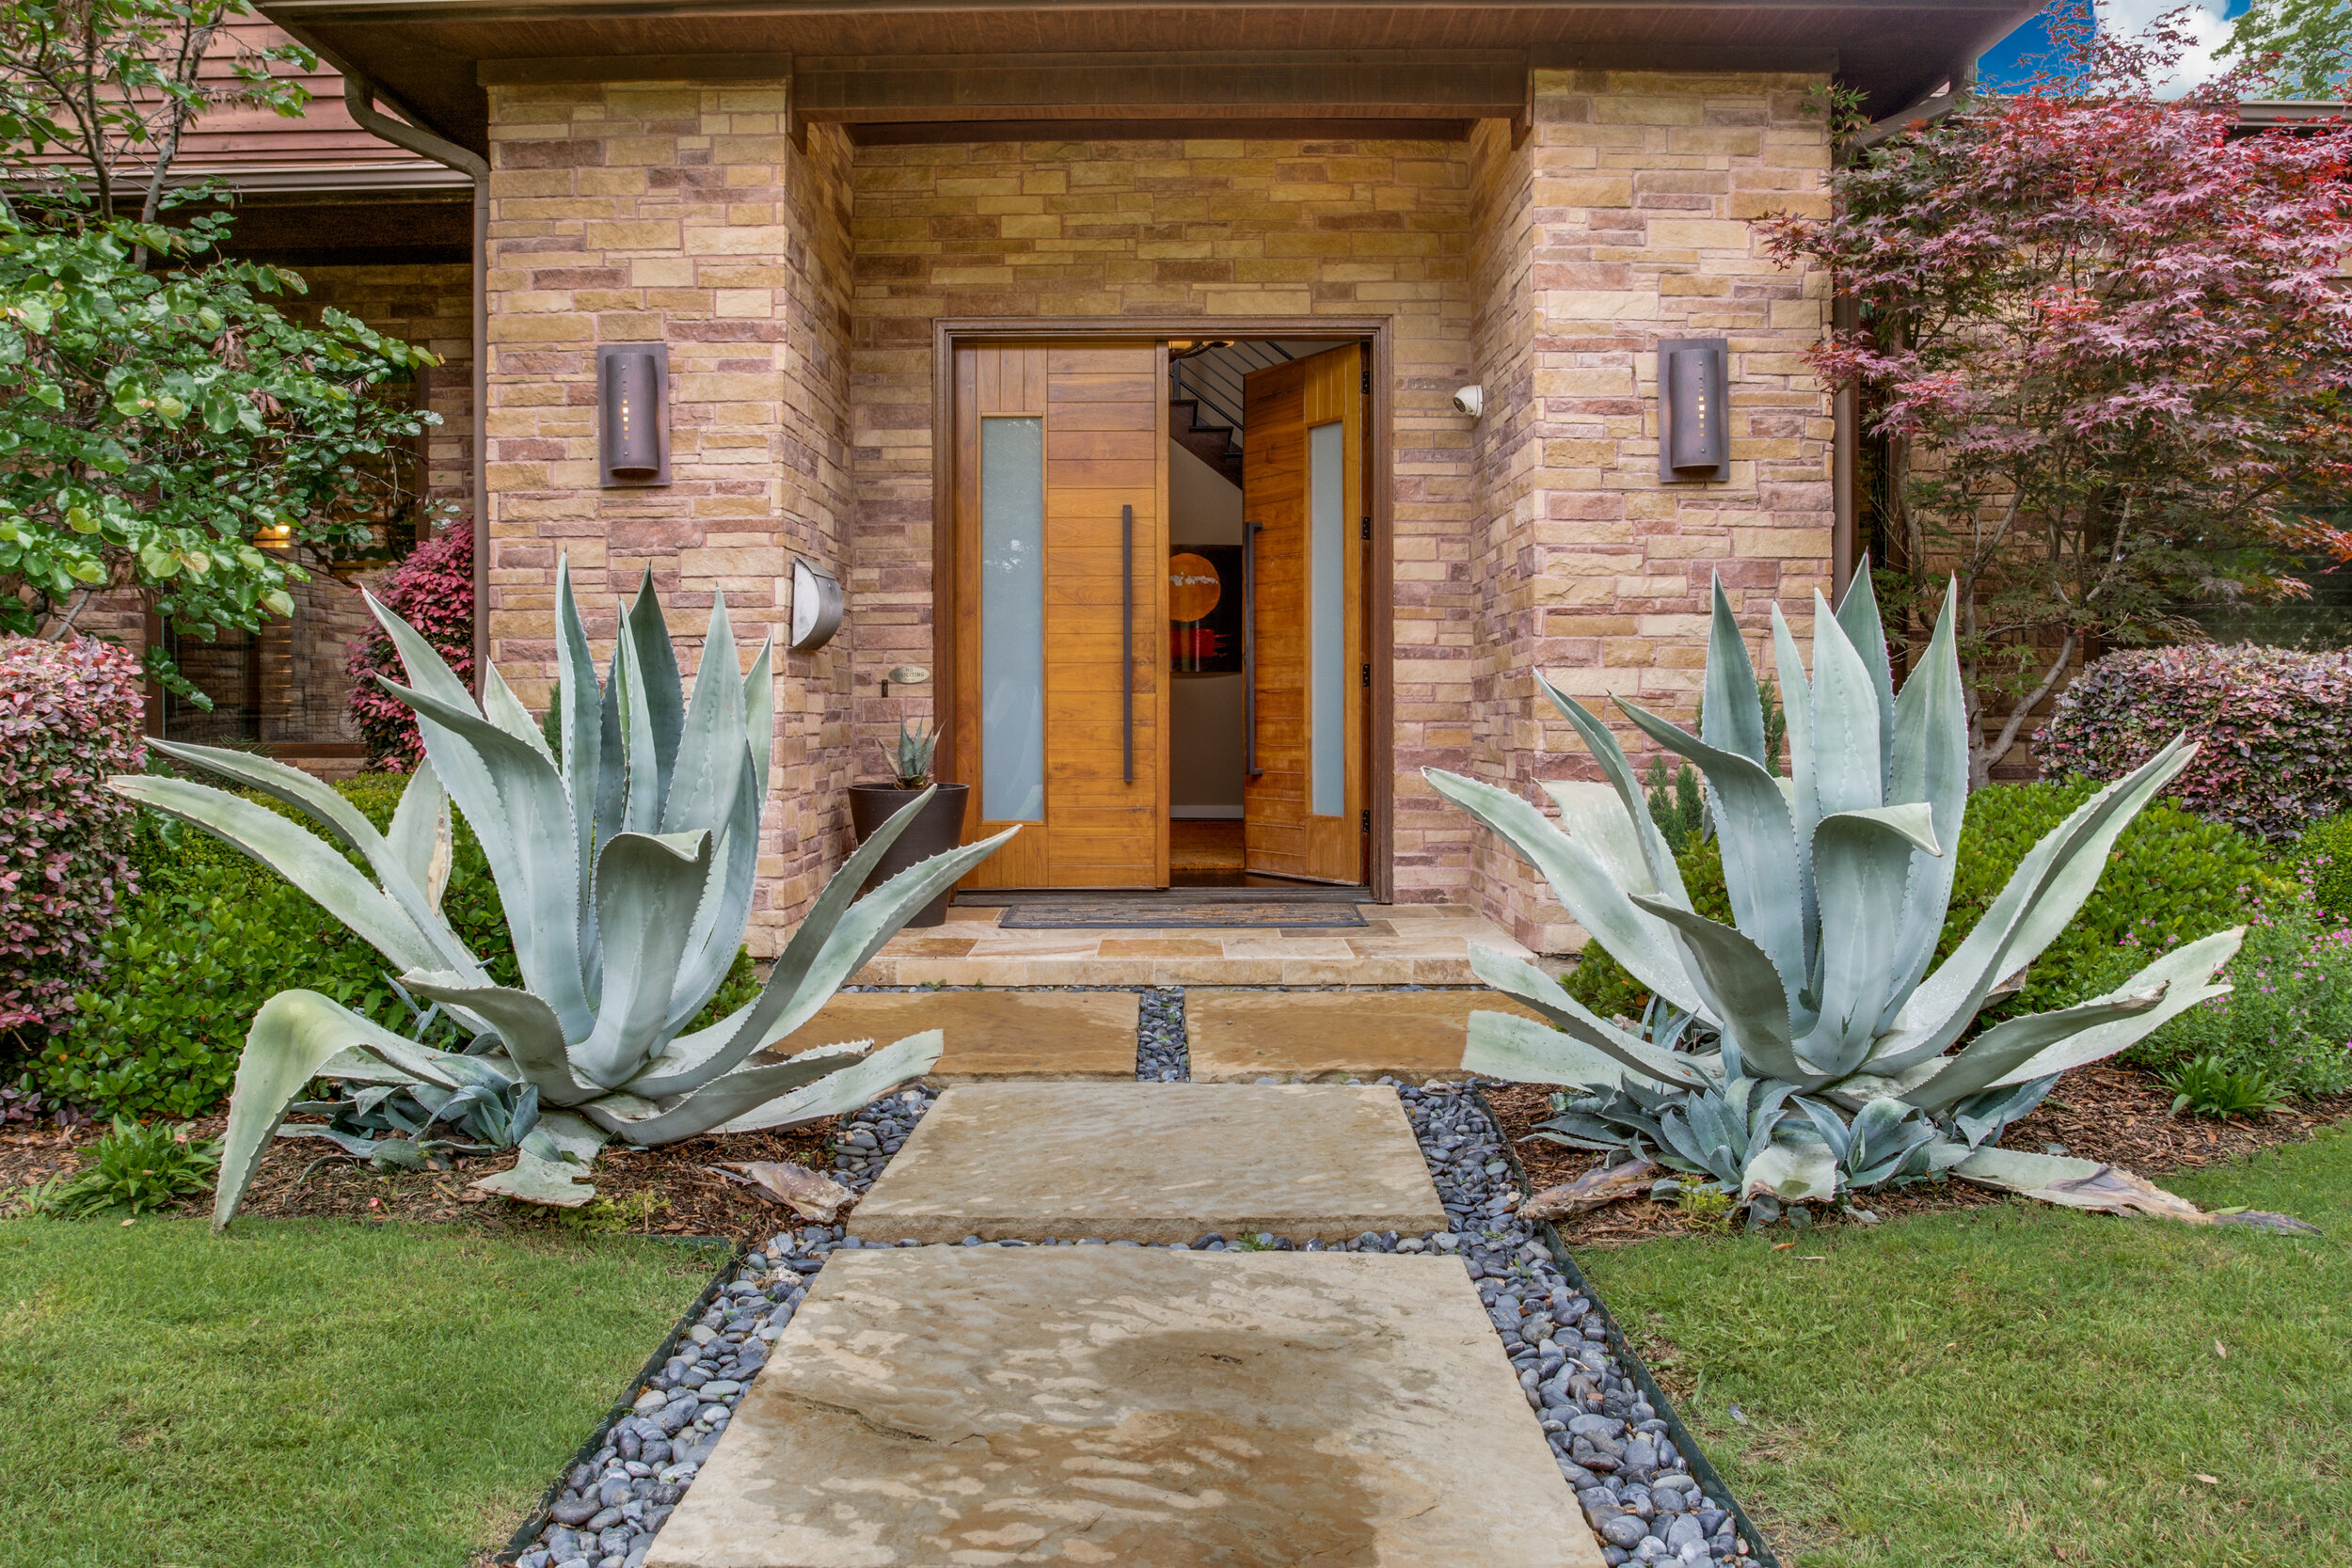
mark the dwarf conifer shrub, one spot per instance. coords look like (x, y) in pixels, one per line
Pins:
(69, 716)
(2275, 726)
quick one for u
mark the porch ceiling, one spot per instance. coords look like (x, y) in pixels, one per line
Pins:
(932, 63)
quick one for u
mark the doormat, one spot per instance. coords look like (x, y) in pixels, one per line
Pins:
(1113, 913)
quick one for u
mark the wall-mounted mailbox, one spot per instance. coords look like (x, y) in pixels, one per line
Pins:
(633, 414)
(1694, 427)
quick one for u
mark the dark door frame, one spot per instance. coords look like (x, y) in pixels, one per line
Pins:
(1379, 580)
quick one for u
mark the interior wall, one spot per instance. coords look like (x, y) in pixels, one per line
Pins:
(1207, 712)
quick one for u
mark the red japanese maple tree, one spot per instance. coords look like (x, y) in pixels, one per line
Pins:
(2105, 341)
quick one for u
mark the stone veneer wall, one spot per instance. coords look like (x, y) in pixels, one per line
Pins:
(652, 212)
(796, 292)
(1206, 228)
(1620, 221)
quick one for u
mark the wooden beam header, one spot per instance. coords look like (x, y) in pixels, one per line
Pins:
(633, 68)
(1435, 85)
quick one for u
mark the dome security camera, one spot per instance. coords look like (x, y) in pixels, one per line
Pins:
(1471, 401)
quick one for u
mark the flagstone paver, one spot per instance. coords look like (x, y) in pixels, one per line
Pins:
(1154, 1162)
(1133, 1406)
(1312, 1037)
(1401, 944)
(989, 1034)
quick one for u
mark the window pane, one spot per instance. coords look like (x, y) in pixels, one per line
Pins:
(1326, 616)
(1012, 619)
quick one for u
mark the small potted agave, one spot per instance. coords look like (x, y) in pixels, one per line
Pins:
(937, 827)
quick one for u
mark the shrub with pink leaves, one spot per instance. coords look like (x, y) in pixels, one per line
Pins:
(69, 717)
(2274, 727)
(432, 590)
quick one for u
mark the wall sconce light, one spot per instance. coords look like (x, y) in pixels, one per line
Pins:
(633, 412)
(1694, 409)
(816, 608)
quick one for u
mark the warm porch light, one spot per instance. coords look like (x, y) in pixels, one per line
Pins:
(1693, 440)
(632, 379)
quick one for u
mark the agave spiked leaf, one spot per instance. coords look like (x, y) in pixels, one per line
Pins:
(295, 1036)
(626, 858)
(1839, 878)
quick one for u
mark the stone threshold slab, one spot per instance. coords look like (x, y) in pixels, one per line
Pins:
(1329, 1037)
(1131, 1406)
(1153, 1163)
(989, 1034)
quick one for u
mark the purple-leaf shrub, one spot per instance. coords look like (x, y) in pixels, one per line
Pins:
(69, 719)
(432, 590)
(2274, 727)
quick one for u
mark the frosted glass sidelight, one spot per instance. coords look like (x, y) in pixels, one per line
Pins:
(1012, 619)
(1326, 617)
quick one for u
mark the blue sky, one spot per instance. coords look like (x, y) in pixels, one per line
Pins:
(2003, 64)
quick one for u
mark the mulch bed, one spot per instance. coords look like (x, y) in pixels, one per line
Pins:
(661, 1192)
(2118, 1115)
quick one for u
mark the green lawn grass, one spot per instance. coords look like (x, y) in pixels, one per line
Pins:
(304, 1392)
(2005, 1384)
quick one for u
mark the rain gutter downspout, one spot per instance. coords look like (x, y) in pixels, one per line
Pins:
(1846, 316)
(359, 98)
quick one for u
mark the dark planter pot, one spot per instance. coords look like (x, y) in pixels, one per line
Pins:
(939, 830)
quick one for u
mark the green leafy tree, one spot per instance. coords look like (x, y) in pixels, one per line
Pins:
(165, 426)
(95, 95)
(2298, 48)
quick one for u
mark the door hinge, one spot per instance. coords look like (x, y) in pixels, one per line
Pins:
(1367, 383)
(1367, 822)
(1367, 528)
(1367, 675)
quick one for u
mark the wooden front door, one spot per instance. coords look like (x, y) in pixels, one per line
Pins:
(1062, 610)
(1307, 528)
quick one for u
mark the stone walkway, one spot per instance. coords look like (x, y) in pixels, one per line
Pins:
(1286, 1324)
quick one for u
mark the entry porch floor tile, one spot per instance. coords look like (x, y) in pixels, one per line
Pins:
(1403, 944)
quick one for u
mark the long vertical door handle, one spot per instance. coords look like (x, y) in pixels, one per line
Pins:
(1249, 533)
(1127, 637)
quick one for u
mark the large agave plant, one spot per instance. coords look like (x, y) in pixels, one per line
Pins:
(624, 854)
(1828, 1030)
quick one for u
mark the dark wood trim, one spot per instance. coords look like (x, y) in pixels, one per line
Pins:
(925, 133)
(1381, 585)
(632, 67)
(1380, 592)
(153, 630)
(1747, 60)
(1279, 84)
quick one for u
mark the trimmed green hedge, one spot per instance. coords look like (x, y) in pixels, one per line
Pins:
(212, 935)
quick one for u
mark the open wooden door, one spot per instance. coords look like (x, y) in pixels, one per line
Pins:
(1062, 610)
(1305, 524)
